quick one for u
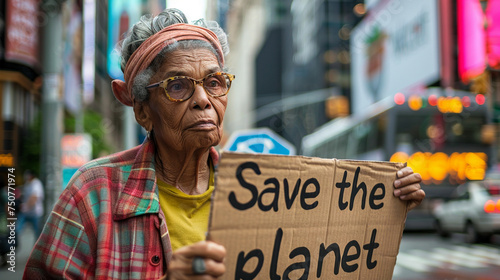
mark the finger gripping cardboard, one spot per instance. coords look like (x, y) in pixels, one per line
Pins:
(284, 217)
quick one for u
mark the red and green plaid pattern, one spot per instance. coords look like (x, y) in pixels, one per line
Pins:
(107, 223)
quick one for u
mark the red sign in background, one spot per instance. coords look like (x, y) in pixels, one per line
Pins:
(76, 150)
(22, 33)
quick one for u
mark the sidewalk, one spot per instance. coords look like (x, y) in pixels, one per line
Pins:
(28, 240)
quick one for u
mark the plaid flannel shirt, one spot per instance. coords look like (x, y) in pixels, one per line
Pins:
(107, 223)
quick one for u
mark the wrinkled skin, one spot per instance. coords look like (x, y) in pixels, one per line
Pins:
(184, 133)
(407, 187)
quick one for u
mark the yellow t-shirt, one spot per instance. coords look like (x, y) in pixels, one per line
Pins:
(186, 215)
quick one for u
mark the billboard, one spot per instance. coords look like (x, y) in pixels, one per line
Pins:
(88, 55)
(478, 38)
(21, 35)
(396, 47)
(121, 16)
(72, 56)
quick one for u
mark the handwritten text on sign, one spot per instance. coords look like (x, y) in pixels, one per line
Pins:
(306, 218)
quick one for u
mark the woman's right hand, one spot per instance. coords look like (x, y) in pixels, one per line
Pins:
(181, 264)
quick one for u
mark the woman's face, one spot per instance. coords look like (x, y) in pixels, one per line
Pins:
(192, 124)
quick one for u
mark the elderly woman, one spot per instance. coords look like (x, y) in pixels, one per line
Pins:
(143, 213)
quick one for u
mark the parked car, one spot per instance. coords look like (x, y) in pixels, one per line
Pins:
(474, 209)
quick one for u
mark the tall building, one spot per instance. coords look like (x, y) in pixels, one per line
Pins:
(289, 57)
(303, 62)
(244, 22)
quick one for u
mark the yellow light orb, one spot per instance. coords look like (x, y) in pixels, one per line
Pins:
(399, 157)
(415, 102)
(438, 166)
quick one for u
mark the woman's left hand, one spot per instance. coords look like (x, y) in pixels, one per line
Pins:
(408, 187)
(182, 265)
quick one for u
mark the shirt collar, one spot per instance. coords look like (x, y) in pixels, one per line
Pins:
(140, 195)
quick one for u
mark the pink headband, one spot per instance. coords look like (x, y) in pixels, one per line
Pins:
(149, 49)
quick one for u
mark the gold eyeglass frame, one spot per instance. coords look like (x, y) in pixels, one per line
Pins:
(163, 84)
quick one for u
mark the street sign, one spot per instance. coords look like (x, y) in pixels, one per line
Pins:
(259, 140)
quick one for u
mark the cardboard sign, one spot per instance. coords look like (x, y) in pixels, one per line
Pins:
(284, 217)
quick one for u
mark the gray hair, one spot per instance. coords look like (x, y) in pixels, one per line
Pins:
(149, 25)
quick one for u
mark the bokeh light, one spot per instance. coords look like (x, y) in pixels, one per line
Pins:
(436, 167)
(415, 102)
(480, 99)
(399, 98)
(433, 100)
(399, 157)
(466, 101)
(359, 9)
(450, 105)
(489, 206)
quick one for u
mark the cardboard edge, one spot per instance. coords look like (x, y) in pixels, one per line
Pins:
(226, 154)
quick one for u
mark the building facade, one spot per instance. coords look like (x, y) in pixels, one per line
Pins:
(20, 83)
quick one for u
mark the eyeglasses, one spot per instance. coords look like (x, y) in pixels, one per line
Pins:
(181, 88)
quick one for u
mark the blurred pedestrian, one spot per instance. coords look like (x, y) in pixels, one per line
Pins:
(31, 207)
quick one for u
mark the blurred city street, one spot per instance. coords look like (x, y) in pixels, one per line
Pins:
(382, 82)
(424, 256)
